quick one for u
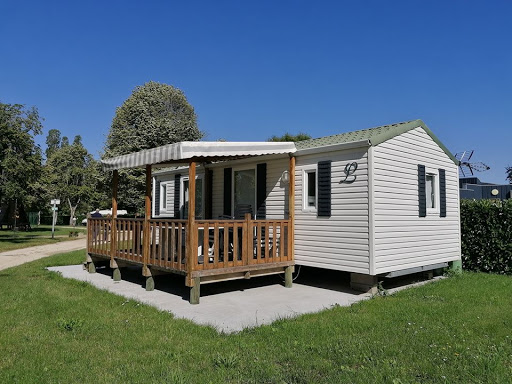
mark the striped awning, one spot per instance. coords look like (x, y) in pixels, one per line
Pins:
(187, 150)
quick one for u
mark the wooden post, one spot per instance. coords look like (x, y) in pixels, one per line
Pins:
(115, 181)
(89, 264)
(113, 221)
(191, 255)
(249, 240)
(150, 283)
(116, 275)
(288, 279)
(195, 292)
(291, 211)
(147, 215)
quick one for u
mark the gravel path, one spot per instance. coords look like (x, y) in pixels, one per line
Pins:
(19, 256)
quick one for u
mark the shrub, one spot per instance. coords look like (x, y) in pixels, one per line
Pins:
(486, 235)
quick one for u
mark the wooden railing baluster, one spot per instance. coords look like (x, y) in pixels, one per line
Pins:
(180, 246)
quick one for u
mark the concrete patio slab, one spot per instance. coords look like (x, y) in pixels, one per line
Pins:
(228, 306)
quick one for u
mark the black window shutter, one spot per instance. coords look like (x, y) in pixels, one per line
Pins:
(324, 189)
(208, 203)
(422, 194)
(442, 193)
(261, 191)
(157, 197)
(227, 191)
(177, 183)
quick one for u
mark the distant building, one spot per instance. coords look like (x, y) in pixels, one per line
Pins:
(473, 188)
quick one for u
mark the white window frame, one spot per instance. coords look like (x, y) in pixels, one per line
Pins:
(244, 168)
(305, 187)
(182, 188)
(163, 197)
(435, 174)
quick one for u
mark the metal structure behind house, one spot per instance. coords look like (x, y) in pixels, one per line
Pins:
(466, 167)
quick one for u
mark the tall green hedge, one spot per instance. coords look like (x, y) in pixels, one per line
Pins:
(486, 229)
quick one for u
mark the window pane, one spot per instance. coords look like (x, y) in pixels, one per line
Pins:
(199, 198)
(184, 208)
(163, 196)
(245, 188)
(431, 198)
(311, 180)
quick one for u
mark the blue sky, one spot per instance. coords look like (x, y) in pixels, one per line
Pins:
(259, 68)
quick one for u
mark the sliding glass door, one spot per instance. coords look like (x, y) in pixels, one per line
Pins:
(184, 198)
(244, 191)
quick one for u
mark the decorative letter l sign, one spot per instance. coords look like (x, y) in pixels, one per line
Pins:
(349, 171)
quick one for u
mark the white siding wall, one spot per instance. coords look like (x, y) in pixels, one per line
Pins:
(168, 178)
(402, 238)
(339, 242)
(277, 194)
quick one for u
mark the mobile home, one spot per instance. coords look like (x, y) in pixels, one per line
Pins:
(377, 202)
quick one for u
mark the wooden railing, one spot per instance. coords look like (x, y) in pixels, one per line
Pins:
(233, 243)
(220, 244)
(129, 239)
(98, 235)
(168, 240)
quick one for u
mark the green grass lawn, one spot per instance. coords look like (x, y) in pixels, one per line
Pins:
(39, 235)
(457, 330)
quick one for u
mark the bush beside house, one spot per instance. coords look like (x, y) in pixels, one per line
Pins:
(487, 235)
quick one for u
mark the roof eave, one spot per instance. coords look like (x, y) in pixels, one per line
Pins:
(184, 152)
(333, 147)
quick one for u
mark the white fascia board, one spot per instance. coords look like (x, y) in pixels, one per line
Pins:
(204, 148)
(333, 147)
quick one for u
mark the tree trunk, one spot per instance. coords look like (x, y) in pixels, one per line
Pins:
(72, 210)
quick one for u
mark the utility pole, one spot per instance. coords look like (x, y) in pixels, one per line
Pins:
(54, 202)
(15, 213)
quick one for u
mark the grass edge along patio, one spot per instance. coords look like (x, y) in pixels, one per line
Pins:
(379, 202)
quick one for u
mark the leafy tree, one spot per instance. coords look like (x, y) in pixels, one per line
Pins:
(52, 142)
(508, 170)
(64, 142)
(77, 140)
(289, 137)
(20, 157)
(70, 175)
(155, 114)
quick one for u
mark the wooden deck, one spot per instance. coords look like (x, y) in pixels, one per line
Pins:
(203, 250)
(207, 251)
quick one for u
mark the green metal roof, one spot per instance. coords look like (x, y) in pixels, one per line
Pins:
(375, 136)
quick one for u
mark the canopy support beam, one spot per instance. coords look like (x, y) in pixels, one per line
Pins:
(194, 284)
(291, 217)
(113, 226)
(147, 215)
